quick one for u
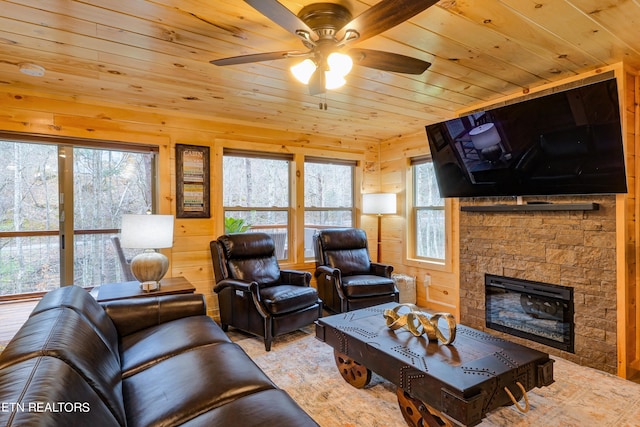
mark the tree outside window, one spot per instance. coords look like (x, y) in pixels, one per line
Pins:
(428, 213)
(328, 197)
(256, 191)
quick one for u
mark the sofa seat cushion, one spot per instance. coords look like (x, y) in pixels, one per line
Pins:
(152, 345)
(48, 380)
(265, 408)
(184, 386)
(288, 298)
(365, 285)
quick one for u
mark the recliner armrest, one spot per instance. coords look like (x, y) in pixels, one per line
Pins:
(383, 270)
(135, 314)
(295, 277)
(239, 285)
(330, 271)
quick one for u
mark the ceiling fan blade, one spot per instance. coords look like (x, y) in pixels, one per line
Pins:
(382, 16)
(387, 61)
(282, 16)
(256, 57)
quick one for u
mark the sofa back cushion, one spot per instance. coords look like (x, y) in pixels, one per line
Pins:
(80, 301)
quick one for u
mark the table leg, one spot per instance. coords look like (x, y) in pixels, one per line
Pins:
(353, 372)
(418, 414)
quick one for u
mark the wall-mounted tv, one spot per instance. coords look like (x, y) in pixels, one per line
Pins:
(567, 142)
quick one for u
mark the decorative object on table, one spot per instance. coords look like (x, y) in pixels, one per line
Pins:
(192, 181)
(420, 323)
(379, 204)
(148, 232)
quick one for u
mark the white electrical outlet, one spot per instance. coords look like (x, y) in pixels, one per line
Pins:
(427, 280)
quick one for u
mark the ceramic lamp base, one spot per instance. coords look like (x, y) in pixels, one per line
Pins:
(149, 267)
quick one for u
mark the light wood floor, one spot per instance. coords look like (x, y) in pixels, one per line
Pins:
(13, 314)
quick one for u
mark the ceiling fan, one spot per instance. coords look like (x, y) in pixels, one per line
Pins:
(327, 28)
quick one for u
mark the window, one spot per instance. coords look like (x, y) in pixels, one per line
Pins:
(256, 195)
(428, 216)
(328, 197)
(89, 188)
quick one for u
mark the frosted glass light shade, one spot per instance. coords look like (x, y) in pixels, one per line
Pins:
(379, 203)
(304, 70)
(333, 80)
(339, 63)
(147, 231)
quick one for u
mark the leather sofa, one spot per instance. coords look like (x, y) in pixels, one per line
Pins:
(139, 362)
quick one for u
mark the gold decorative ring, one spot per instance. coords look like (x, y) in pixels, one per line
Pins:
(420, 323)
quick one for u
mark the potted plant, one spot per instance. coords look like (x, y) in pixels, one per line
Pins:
(235, 225)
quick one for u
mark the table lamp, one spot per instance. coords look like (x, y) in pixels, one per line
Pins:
(379, 204)
(148, 232)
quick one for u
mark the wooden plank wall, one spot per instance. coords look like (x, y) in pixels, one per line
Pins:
(44, 114)
(436, 285)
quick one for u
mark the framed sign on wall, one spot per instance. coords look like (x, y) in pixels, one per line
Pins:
(192, 181)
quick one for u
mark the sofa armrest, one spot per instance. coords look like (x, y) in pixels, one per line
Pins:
(135, 314)
(294, 277)
(383, 270)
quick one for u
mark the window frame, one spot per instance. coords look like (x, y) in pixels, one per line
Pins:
(289, 210)
(300, 152)
(66, 230)
(412, 258)
(353, 209)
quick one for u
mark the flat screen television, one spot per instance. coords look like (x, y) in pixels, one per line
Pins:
(567, 142)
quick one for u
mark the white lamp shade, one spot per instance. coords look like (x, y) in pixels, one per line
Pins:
(484, 136)
(147, 231)
(379, 203)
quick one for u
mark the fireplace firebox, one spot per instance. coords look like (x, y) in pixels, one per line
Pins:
(536, 311)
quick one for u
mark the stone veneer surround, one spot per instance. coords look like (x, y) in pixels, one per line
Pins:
(569, 248)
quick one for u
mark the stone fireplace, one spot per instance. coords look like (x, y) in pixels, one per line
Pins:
(571, 249)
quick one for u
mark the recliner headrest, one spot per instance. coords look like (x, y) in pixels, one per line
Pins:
(342, 238)
(247, 245)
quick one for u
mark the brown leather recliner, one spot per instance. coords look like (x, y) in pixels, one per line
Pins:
(254, 295)
(347, 279)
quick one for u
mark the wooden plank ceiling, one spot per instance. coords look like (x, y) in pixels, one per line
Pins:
(155, 54)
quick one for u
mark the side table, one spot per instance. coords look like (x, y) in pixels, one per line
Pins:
(124, 290)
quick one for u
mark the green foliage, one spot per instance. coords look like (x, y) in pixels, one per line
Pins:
(235, 225)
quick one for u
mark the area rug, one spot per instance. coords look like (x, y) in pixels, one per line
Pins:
(305, 368)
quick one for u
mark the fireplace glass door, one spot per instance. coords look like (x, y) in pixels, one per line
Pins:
(536, 311)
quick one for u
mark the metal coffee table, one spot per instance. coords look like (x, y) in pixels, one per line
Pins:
(456, 384)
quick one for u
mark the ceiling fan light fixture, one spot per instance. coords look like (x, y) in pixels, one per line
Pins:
(339, 63)
(304, 70)
(333, 80)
